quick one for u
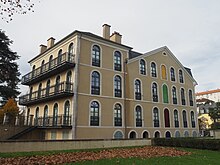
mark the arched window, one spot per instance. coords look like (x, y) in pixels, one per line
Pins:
(174, 95)
(45, 119)
(154, 92)
(168, 134)
(51, 62)
(165, 94)
(118, 135)
(184, 119)
(194, 134)
(42, 68)
(117, 86)
(145, 135)
(30, 94)
(36, 116)
(96, 56)
(190, 98)
(153, 69)
(138, 112)
(177, 134)
(137, 88)
(193, 122)
(118, 115)
(70, 53)
(142, 67)
(48, 88)
(186, 134)
(95, 83)
(181, 76)
(66, 113)
(94, 114)
(59, 59)
(164, 72)
(183, 97)
(57, 85)
(33, 71)
(117, 61)
(167, 118)
(172, 74)
(39, 90)
(157, 134)
(156, 117)
(68, 80)
(55, 114)
(132, 135)
(176, 119)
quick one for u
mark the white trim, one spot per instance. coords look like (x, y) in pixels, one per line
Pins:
(175, 75)
(164, 117)
(157, 92)
(100, 55)
(122, 87)
(122, 61)
(186, 119)
(179, 76)
(144, 66)
(142, 117)
(166, 132)
(155, 132)
(168, 96)
(100, 107)
(156, 70)
(122, 116)
(178, 115)
(185, 132)
(177, 98)
(147, 133)
(191, 119)
(90, 83)
(142, 95)
(161, 73)
(118, 130)
(175, 133)
(130, 133)
(153, 117)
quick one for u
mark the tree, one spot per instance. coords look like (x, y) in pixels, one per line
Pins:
(11, 109)
(9, 74)
(214, 113)
(10, 7)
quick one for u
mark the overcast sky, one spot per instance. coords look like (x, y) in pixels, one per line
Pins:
(190, 29)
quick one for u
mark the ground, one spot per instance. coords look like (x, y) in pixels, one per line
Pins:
(71, 157)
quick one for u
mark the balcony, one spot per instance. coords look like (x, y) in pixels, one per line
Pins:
(60, 90)
(53, 67)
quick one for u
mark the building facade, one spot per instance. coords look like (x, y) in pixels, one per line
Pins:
(213, 95)
(91, 87)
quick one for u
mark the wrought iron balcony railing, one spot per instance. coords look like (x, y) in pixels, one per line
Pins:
(55, 66)
(60, 90)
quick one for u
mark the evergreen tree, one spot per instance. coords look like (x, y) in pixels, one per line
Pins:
(9, 73)
(214, 113)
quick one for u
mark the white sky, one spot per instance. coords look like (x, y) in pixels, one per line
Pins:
(190, 29)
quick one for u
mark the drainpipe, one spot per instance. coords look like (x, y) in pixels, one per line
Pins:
(75, 98)
(125, 96)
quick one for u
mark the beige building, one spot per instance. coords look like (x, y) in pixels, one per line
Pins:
(213, 95)
(90, 87)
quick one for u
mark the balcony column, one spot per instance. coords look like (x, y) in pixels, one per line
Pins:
(6, 119)
(17, 120)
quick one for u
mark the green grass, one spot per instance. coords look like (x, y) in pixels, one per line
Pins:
(201, 157)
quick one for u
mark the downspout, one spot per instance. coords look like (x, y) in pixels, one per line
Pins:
(75, 98)
(125, 96)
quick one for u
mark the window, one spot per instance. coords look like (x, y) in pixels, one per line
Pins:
(36, 116)
(190, 98)
(181, 76)
(176, 119)
(96, 56)
(174, 95)
(153, 69)
(66, 116)
(184, 119)
(157, 134)
(138, 112)
(59, 59)
(95, 84)
(39, 90)
(142, 67)
(117, 61)
(177, 134)
(165, 94)
(55, 114)
(193, 119)
(164, 72)
(186, 134)
(118, 135)
(94, 114)
(117, 86)
(57, 85)
(172, 74)
(145, 135)
(156, 117)
(132, 135)
(30, 94)
(51, 62)
(167, 118)
(154, 92)
(45, 119)
(137, 88)
(168, 134)
(118, 115)
(68, 80)
(70, 53)
(48, 88)
(33, 71)
(42, 68)
(183, 97)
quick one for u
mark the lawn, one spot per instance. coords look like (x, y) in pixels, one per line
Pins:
(200, 157)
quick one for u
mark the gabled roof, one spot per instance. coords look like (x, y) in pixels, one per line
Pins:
(208, 92)
(164, 48)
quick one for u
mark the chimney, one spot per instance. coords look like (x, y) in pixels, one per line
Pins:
(50, 42)
(116, 37)
(43, 48)
(106, 31)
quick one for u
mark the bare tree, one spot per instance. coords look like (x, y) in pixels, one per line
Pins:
(8, 8)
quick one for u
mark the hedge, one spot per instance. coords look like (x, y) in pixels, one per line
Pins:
(210, 144)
